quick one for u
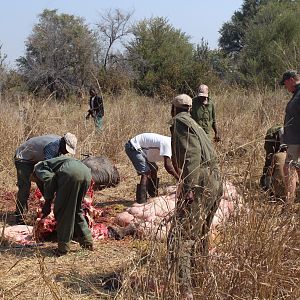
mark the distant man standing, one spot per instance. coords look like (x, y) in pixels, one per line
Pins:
(199, 196)
(31, 152)
(203, 111)
(144, 150)
(96, 109)
(291, 136)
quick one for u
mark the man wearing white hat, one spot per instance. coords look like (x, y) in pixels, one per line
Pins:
(203, 111)
(31, 152)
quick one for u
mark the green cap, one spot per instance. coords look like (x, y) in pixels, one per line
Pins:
(287, 75)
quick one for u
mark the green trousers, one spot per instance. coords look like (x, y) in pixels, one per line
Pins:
(24, 172)
(73, 180)
(189, 237)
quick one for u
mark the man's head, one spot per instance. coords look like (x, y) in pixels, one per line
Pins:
(289, 79)
(203, 91)
(93, 92)
(181, 103)
(68, 143)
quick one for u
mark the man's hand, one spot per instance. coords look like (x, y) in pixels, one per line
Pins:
(46, 210)
(190, 197)
(217, 138)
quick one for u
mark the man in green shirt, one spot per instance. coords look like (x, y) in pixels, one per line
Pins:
(67, 179)
(195, 160)
(203, 111)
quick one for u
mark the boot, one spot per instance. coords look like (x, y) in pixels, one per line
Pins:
(152, 187)
(141, 193)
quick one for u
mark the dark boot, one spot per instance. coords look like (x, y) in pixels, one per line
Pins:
(141, 193)
(152, 187)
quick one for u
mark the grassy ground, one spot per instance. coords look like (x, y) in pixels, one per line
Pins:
(257, 252)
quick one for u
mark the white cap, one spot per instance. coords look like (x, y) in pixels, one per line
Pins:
(71, 142)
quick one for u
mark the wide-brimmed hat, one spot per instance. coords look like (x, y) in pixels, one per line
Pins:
(287, 75)
(71, 142)
(203, 90)
(182, 101)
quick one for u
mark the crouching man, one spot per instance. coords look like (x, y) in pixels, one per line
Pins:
(144, 150)
(69, 178)
(198, 198)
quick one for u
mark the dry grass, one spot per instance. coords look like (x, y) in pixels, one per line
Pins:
(257, 253)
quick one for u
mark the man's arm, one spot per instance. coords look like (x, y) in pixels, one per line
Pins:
(169, 167)
(214, 126)
(51, 150)
(46, 175)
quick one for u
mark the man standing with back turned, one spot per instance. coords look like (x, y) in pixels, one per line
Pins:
(199, 197)
(291, 136)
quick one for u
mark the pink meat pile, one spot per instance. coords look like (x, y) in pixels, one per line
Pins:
(19, 234)
(152, 217)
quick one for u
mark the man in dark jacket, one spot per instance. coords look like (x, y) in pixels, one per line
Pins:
(291, 136)
(195, 160)
(96, 109)
(67, 179)
(31, 152)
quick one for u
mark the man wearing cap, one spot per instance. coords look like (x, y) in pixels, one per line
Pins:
(291, 136)
(67, 179)
(31, 152)
(201, 188)
(144, 150)
(203, 111)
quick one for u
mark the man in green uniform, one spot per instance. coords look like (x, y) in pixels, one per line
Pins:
(195, 159)
(203, 111)
(69, 178)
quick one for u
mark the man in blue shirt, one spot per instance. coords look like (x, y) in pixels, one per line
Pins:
(31, 152)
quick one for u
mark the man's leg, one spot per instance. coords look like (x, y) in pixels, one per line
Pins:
(81, 227)
(24, 170)
(290, 173)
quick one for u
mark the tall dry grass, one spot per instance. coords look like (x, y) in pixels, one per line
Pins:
(257, 252)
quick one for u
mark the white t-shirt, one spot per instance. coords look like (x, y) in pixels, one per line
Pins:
(154, 146)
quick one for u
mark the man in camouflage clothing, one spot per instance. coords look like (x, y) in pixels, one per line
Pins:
(194, 158)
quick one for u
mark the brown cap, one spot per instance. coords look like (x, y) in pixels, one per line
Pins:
(203, 90)
(182, 101)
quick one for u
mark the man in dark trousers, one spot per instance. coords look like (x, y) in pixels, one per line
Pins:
(31, 152)
(67, 179)
(96, 109)
(194, 158)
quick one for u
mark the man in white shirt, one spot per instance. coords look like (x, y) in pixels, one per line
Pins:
(144, 150)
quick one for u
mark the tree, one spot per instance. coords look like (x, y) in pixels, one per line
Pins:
(272, 45)
(233, 32)
(113, 27)
(60, 54)
(3, 69)
(161, 57)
